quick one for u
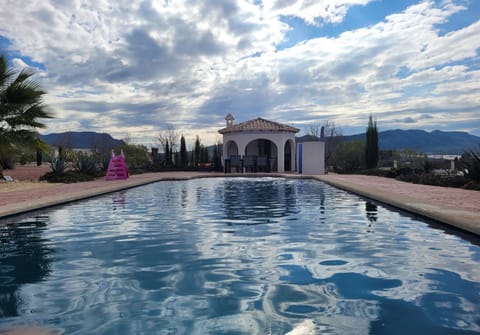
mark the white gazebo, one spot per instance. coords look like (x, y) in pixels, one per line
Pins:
(259, 141)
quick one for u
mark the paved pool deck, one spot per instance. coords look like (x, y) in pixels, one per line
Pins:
(455, 207)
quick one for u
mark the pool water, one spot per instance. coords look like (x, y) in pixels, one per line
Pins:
(236, 256)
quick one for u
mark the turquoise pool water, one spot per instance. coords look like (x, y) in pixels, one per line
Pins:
(236, 256)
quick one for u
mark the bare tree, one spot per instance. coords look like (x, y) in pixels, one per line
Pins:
(314, 130)
(168, 139)
(169, 136)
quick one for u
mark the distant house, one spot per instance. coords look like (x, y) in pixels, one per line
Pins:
(259, 143)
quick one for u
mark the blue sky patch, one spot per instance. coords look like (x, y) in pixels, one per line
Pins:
(357, 17)
(11, 54)
(404, 72)
(461, 19)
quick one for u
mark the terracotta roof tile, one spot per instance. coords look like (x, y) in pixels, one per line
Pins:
(259, 124)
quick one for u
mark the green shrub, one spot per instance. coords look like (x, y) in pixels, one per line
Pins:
(8, 163)
(85, 164)
(470, 162)
(388, 173)
(416, 176)
(67, 177)
(104, 160)
(58, 166)
(472, 185)
(435, 180)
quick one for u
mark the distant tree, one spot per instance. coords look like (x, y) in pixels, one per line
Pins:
(203, 154)
(371, 146)
(183, 153)
(349, 156)
(169, 136)
(39, 156)
(416, 160)
(197, 152)
(176, 159)
(136, 156)
(216, 158)
(167, 154)
(470, 162)
(21, 108)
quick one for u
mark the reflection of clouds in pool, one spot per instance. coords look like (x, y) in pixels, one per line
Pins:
(388, 253)
(174, 257)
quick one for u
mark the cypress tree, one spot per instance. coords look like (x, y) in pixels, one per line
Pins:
(371, 147)
(167, 154)
(215, 157)
(197, 151)
(39, 157)
(183, 152)
(204, 157)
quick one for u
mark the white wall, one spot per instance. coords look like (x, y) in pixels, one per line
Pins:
(313, 158)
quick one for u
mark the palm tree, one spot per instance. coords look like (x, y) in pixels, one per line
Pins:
(21, 107)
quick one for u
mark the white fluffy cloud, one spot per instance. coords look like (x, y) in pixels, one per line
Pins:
(138, 66)
(312, 12)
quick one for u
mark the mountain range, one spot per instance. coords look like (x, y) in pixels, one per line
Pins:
(435, 142)
(82, 140)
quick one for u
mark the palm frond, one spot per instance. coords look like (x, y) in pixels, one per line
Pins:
(21, 106)
(6, 74)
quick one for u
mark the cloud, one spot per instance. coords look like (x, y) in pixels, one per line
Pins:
(136, 66)
(313, 12)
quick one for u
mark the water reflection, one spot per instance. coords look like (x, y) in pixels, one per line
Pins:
(255, 201)
(25, 258)
(184, 258)
(371, 212)
(119, 199)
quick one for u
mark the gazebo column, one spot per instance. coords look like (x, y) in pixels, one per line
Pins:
(293, 151)
(242, 146)
(280, 157)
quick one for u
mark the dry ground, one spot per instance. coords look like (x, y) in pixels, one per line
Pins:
(28, 172)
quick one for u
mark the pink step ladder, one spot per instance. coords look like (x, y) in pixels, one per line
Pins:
(117, 169)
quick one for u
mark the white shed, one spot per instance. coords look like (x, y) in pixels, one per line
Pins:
(259, 144)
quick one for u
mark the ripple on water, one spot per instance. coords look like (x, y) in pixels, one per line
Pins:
(246, 256)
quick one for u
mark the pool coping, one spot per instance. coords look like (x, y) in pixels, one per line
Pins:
(385, 190)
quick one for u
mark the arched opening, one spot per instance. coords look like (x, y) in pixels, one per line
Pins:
(288, 156)
(232, 158)
(262, 155)
(232, 149)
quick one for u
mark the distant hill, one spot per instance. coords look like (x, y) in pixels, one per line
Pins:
(82, 140)
(436, 142)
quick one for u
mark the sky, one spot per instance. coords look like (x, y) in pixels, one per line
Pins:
(137, 68)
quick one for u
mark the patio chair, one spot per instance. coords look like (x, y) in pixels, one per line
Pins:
(236, 162)
(262, 164)
(249, 163)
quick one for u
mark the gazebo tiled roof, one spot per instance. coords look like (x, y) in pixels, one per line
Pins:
(258, 124)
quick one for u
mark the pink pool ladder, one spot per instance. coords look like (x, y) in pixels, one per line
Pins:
(117, 169)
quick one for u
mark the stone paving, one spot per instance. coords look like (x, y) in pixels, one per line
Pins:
(456, 207)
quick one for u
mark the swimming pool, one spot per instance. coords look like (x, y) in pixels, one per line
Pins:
(236, 256)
